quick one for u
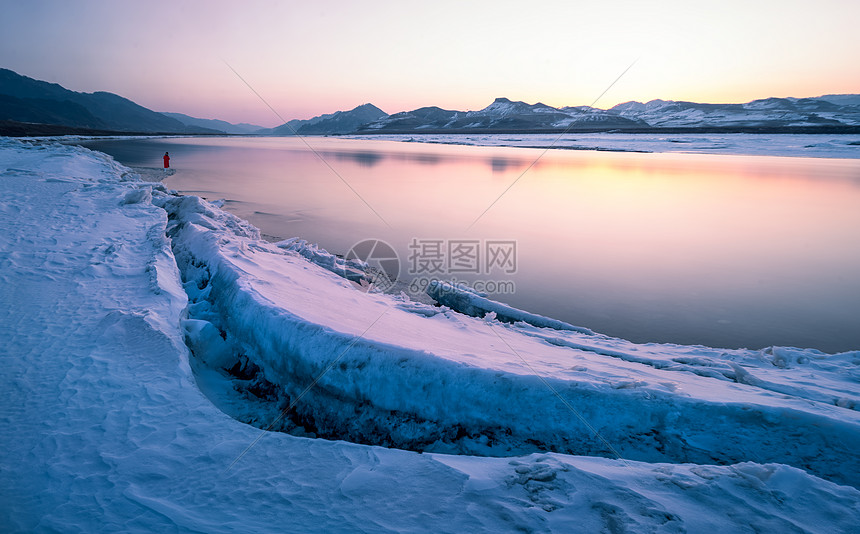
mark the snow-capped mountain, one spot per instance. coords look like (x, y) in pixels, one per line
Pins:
(768, 112)
(502, 114)
(421, 118)
(842, 100)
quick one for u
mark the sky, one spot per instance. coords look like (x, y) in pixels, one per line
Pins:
(307, 58)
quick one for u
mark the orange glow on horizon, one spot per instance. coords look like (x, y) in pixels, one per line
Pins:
(308, 59)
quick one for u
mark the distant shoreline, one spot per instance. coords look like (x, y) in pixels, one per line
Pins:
(34, 129)
(827, 130)
(725, 143)
(26, 129)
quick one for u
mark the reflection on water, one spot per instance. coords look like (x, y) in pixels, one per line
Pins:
(362, 158)
(720, 250)
(500, 164)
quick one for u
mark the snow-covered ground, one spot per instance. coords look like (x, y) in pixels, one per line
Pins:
(111, 423)
(794, 145)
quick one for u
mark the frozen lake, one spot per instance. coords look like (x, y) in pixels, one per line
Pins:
(721, 250)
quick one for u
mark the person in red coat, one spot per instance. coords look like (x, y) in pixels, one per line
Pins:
(166, 161)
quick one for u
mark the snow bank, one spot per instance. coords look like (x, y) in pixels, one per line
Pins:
(395, 373)
(105, 427)
(354, 269)
(466, 300)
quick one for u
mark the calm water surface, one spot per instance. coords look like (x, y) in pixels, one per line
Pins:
(727, 251)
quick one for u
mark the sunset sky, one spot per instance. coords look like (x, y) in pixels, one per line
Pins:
(307, 58)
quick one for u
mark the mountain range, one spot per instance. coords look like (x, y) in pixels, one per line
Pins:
(25, 100)
(833, 111)
(33, 107)
(339, 122)
(830, 110)
(502, 114)
(215, 125)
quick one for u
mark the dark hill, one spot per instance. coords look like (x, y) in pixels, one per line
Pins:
(24, 99)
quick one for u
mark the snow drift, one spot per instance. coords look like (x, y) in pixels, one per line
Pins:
(391, 372)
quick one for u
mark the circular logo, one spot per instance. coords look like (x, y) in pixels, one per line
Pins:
(383, 265)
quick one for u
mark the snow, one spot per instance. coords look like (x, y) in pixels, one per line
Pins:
(466, 300)
(643, 402)
(112, 423)
(771, 111)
